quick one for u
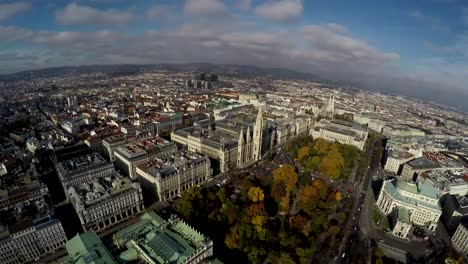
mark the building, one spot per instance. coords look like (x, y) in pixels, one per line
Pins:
(395, 160)
(455, 209)
(165, 178)
(129, 156)
(460, 239)
(72, 125)
(83, 169)
(247, 97)
(421, 201)
(250, 142)
(72, 101)
(87, 248)
(445, 180)
(221, 148)
(402, 224)
(27, 192)
(413, 168)
(235, 141)
(28, 240)
(111, 143)
(155, 240)
(105, 201)
(28, 229)
(342, 131)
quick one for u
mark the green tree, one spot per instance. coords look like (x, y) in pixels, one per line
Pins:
(304, 179)
(188, 204)
(303, 254)
(285, 258)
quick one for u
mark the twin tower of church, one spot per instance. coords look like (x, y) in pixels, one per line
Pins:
(250, 142)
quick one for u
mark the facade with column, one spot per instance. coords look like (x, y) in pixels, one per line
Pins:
(342, 131)
(421, 201)
(30, 240)
(106, 202)
(165, 178)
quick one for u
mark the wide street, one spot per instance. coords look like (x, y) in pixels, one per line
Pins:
(359, 184)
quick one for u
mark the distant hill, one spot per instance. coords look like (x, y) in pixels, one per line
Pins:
(128, 69)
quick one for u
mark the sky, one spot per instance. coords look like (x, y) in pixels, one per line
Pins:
(417, 47)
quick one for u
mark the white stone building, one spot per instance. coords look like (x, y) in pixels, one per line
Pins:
(342, 131)
(29, 240)
(395, 160)
(165, 178)
(421, 200)
(106, 201)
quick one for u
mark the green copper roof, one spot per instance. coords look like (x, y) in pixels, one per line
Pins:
(164, 242)
(391, 188)
(407, 186)
(87, 248)
(403, 214)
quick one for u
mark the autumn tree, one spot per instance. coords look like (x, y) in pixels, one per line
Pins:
(256, 194)
(286, 174)
(297, 222)
(285, 258)
(321, 145)
(303, 152)
(232, 239)
(332, 164)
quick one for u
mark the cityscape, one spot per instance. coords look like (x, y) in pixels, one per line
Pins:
(168, 161)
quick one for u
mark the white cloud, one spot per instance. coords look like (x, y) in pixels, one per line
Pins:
(344, 48)
(9, 10)
(280, 10)
(330, 51)
(244, 4)
(338, 28)
(205, 7)
(74, 14)
(161, 12)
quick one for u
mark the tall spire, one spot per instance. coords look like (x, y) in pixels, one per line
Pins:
(257, 136)
(240, 148)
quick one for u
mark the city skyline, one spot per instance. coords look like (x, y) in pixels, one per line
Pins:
(415, 49)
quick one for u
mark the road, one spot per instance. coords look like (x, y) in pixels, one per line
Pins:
(360, 186)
